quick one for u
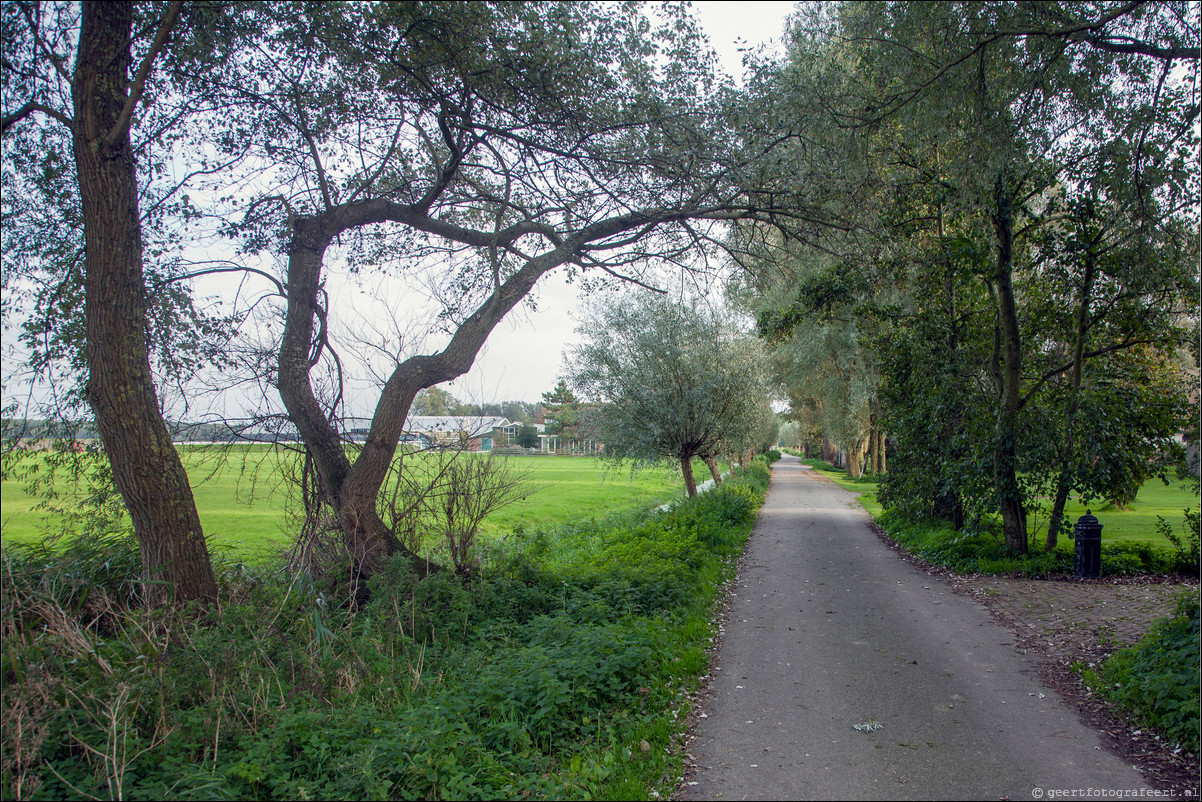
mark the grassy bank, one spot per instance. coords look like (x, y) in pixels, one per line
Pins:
(560, 671)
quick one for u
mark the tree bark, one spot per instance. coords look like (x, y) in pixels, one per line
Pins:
(855, 458)
(1008, 378)
(712, 464)
(353, 489)
(877, 438)
(146, 467)
(690, 484)
(1064, 480)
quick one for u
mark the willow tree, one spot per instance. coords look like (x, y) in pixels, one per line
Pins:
(999, 113)
(481, 146)
(672, 381)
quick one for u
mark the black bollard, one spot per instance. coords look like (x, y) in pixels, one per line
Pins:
(1088, 534)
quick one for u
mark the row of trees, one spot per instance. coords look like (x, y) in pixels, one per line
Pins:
(476, 147)
(1020, 297)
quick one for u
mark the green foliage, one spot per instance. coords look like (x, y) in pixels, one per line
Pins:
(676, 381)
(527, 436)
(1023, 280)
(939, 543)
(1158, 678)
(773, 455)
(537, 677)
(1186, 547)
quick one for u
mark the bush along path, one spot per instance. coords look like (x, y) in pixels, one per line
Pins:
(845, 673)
(560, 670)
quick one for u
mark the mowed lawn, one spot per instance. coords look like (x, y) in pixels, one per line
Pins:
(243, 496)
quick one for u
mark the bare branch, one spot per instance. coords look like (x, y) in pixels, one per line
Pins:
(53, 57)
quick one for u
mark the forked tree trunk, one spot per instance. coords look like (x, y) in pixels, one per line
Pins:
(353, 489)
(146, 467)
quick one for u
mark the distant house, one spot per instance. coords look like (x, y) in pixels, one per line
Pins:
(468, 432)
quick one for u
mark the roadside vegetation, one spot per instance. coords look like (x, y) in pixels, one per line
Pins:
(561, 669)
(1150, 535)
(1155, 681)
(1157, 678)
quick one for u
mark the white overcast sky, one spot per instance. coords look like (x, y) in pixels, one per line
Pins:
(523, 357)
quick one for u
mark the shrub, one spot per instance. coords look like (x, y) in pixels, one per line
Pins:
(1136, 558)
(1187, 547)
(937, 542)
(1157, 679)
(537, 675)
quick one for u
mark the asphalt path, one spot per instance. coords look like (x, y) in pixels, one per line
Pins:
(846, 673)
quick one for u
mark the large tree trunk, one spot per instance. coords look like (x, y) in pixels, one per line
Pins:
(1008, 379)
(353, 490)
(830, 454)
(368, 540)
(855, 458)
(146, 467)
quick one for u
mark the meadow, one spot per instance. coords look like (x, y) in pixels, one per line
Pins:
(1134, 523)
(243, 495)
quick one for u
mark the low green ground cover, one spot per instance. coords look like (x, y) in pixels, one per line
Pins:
(1158, 678)
(560, 670)
(1132, 538)
(242, 496)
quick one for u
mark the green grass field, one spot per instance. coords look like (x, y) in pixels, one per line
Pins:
(1136, 523)
(242, 496)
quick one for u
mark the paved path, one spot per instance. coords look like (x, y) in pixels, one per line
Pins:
(829, 629)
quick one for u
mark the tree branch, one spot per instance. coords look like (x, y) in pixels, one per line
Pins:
(29, 108)
(55, 59)
(1051, 374)
(138, 87)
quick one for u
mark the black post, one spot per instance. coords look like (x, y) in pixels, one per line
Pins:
(1088, 534)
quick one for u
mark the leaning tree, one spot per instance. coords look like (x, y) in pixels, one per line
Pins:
(486, 145)
(86, 193)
